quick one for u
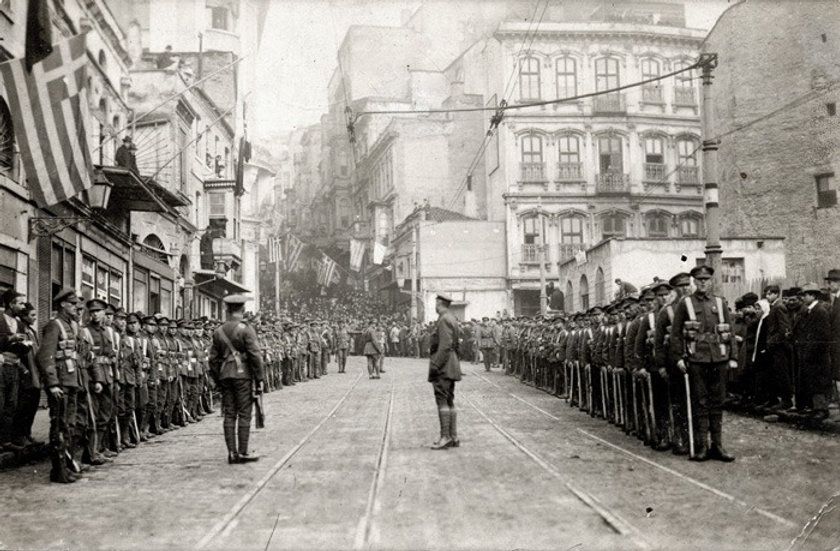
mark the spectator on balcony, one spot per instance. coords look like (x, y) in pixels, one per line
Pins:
(126, 156)
(624, 288)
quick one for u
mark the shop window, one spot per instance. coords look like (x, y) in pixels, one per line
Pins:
(103, 277)
(115, 289)
(141, 290)
(154, 295)
(88, 277)
(166, 297)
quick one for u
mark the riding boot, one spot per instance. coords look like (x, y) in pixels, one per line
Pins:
(244, 436)
(59, 472)
(453, 428)
(445, 440)
(717, 450)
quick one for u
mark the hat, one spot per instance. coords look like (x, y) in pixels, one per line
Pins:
(681, 278)
(739, 303)
(485, 318)
(237, 299)
(702, 272)
(811, 289)
(749, 299)
(661, 284)
(96, 304)
(132, 317)
(162, 320)
(444, 298)
(595, 309)
(185, 324)
(833, 275)
(126, 139)
(109, 309)
(173, 323)
(66, 295)
(120, 313)
(648, 291)
(149, 320)
(791, 292)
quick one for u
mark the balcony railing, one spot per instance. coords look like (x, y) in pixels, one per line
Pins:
(685, 96)
(531, 253)
(227, 249)
(655, 173)
(609, 104)
(532, 173)
(570, 172)
(652, 94)
(568, 250)
(688, 176)
(612, 182)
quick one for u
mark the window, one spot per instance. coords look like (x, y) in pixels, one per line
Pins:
(154, 295)
(115, 289)
(831, 108)
(599, 287)
(826, 191)
(218, 17)
(650, 69)
(606, 74)
(571, 229)
(166, 297)
(566, 77)
(569, 147)
(88, 275)
(653, 151)
(532, 158)
(8, 159)
(216, 202)
(685, 79)
(613, 226)
(534, 229)
(732, 270)
(690, 226)
(657, 224)
(687, 152)
(529, 79)
(570, 297)
(584, 293)
(610, 154)
(183, 158)
(103, 276)
(141, 291)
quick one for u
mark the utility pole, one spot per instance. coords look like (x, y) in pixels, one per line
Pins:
(277, 287)
(710, 148)
(413, 273)
(543, 296)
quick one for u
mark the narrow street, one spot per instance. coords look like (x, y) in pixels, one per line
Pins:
(345, 464)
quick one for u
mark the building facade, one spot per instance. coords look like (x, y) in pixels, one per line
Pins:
(775, 98)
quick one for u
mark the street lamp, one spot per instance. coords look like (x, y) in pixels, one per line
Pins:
(98, 196)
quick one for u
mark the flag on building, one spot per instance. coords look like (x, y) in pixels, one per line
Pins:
(328, 272)
(357, 254)
(294, 246)
(49, 109)
(275, 249)
(379, 251)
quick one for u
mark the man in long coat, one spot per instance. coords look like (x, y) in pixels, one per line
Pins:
(812, 338)
(445, 371)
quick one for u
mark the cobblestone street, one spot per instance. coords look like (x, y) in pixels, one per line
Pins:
(345, 464)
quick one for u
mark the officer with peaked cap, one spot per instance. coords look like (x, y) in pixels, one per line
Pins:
(703, 346)
(236, 368)
(445, 371)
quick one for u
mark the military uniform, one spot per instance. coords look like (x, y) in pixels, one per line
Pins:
(444, 372)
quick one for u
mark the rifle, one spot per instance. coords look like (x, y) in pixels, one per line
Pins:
(181, 399)
(259, 407)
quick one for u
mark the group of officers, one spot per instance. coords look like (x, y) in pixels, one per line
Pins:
(654, 364)
(121, 378)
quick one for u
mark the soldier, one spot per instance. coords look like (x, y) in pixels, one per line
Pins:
(342, 344)
(381, 336)
(314, 337)
(174, 407)
(101, 357)
(681, 287)
(29, 382)
(129, 370)
(236, 368)
(141, 374)
(59, 370)
(326, 346)
(372, 350)
(702, 347)
(155, 358)
(484, 336)
(445, 371)
(655, 299)
(189, 372)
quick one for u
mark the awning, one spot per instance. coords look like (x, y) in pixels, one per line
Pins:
(136, 193)
(210, 283)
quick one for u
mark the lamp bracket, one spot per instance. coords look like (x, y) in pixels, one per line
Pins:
(49, 225)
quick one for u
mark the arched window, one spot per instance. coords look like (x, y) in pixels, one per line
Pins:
(155, 247)
(654, 160)
(7, 141)
(691, 225)
(650, 68)
(584, 293)
(566, 77)
(688, 173)
(611, 154)
(613, 225)
(657, 224)
(570, 297)
(533, 229)
(651, 92)
(599, 287)
(606, 74)
(529, 79)
(684, 86)
(533, 169)
(571, 229)
(568, 147)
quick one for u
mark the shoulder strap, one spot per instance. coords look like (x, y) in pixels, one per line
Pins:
(225, 339)
(651, 321)
(670, 310)
(689, 304)
(87, 336)
(719, 303)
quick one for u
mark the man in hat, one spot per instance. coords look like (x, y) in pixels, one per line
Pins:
(29, 384)
(812, 335)
(775, 351)
(646, 344)
(702, 345)
(484, 336)
(14, 347)
(445, 371)
(833, 279)
(342, 345)
(236, 368)
(130, 368)
(59, 370)
(101, 358)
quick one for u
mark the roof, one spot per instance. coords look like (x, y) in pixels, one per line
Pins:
(439, 214)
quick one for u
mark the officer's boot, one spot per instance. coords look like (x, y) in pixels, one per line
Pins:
(229, 427)
(453, 428)
(244, 436)
(126, 430)
(717, 451)
(701, 449)
(445, 440)
(59, 472)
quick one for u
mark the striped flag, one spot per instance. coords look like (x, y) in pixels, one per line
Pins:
(275, 249)
(294, 246)
(49, 108)
(357, 254)
(328, 272)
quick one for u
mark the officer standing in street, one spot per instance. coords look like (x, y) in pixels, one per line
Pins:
(702, 346)
(445, 371)
(341, 345)
(236, 368)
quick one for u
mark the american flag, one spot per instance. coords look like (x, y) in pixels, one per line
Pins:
(49, 108)
(328, 272)
(275, 249)
(294, 246)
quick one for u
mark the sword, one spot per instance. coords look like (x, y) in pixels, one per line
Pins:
(603, 374)
(134, 423)
(650, 406)
(92, 423)
(580, 385)
(671, 429)
(589, 388)
(690, 420)
(635, 403)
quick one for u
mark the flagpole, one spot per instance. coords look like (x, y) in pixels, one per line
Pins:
(277, 285)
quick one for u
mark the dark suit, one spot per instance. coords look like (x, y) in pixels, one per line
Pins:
(444, 365)
(834, 321)
(29, 389)
(812, 334)
(775, 351)
(9, 376)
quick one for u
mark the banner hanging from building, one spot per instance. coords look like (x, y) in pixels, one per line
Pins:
(357, 254)
(275, 249)
(49, 108)
(328, 272)
(294, 246)
(379, 251)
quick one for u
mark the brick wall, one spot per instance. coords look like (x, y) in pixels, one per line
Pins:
(770, 55)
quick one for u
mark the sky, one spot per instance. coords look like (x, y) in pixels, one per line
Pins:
(298, 53)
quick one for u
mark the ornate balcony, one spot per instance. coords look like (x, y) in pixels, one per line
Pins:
(655, 173)
(227, 250)
(609, 104)
(567, 251)
(688, 176)
(531, 253)
(532, 173)
(652, 94)
(685, 96)
(570, 172)
(612, 182)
